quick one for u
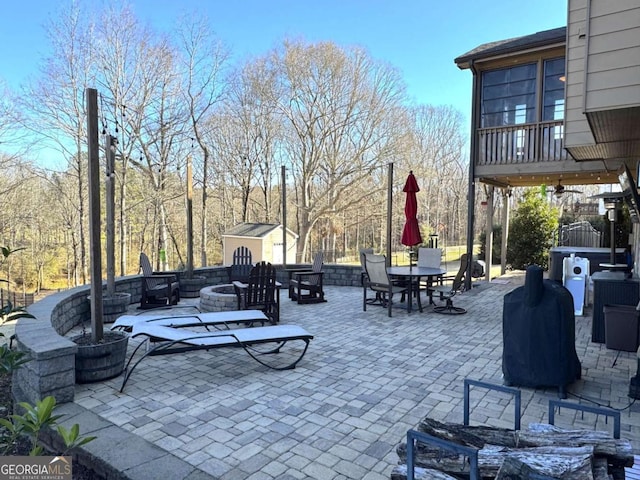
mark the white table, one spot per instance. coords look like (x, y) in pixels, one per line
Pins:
(415, 273)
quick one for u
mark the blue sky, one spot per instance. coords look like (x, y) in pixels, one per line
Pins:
(419, 37)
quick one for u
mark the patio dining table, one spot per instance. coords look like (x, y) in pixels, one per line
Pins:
(413, 276)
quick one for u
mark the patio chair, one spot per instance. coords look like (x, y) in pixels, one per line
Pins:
(305, 286)
(170, 340)
(378, 281)
(242, 264)
(157, 288)
(260, 292)
(430, 258)
(363, 273)
(448, 290)
(210, 319)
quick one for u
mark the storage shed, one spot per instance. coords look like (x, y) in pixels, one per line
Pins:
(263, 239)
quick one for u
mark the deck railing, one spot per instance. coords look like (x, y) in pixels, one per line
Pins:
(523, 143)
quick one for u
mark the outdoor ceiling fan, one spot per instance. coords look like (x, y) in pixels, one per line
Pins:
(559, 189)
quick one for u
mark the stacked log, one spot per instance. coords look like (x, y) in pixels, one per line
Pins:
(539, 451)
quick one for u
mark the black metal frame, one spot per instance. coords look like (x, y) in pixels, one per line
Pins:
(499, 388)
(189, 342)
(607, 412)
(413, 436)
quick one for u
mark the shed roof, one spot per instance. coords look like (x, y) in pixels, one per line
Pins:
(512, 45)
(254, 230)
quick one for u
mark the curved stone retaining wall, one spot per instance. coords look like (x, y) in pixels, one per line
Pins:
(51, 369)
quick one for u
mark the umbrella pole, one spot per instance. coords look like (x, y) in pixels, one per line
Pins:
(389, 213)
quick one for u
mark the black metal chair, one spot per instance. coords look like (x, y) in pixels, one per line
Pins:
(260, 292)
(241, 266)
(448, 291)
(157, 288)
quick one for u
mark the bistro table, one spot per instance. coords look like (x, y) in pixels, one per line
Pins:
(413, 275)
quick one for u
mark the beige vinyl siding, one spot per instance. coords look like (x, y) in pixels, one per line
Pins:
(231, 243)
(613, 77)
(262, 248)
(577, 131)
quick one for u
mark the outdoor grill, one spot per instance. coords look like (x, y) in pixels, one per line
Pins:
(538, 326)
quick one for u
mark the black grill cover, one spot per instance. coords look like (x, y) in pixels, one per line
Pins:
(538, 327)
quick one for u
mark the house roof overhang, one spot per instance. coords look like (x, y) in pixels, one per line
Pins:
(519, 45)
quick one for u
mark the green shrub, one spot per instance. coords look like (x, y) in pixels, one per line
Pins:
(35, 419)
(531, 232)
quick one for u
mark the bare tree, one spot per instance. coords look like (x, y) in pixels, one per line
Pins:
(340, 110)
(201, 63)
(163, 139)
(436, 143)
(125, 52)
(54, 105)
(14, 143)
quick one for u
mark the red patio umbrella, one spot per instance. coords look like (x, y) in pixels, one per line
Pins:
(411, 232)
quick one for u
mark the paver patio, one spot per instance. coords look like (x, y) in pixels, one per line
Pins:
(365, 380)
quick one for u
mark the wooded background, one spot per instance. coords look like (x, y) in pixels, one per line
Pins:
(332, 115)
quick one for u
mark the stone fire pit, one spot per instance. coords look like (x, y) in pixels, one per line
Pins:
(218, 298)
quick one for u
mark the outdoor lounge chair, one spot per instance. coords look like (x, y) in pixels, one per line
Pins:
(214, 319)
(379, 282)
(157, 289)
(305, 286)
(260, 292)
(448, 290)
(170, 340)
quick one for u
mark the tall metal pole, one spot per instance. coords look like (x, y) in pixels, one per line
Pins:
(284, 216)
(389, 211)
(94, 215)
(611, 214)
(189, 219)
(471, 192)
(488, 248)
(110, 154)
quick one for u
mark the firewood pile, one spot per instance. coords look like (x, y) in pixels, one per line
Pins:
(539, 451)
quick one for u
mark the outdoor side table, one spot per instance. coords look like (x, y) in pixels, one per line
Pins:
(611, 288)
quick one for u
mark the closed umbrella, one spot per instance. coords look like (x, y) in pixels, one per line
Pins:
(411, 232)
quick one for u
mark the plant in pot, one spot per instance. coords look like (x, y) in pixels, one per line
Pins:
(100, 355)
(190, 284)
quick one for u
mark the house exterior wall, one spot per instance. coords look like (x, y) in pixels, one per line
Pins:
(577, 131)
(613, 63)
(603, 62)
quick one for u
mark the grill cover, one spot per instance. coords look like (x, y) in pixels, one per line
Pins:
(538, 327)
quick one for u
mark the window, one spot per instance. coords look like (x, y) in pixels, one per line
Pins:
(509, 96)
(553, 90)
(553, 94)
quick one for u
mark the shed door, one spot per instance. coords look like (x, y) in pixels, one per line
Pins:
(276, 254)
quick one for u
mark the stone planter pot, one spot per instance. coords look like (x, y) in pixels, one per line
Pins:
(114, 306)
(190, 287)
(101, 361)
